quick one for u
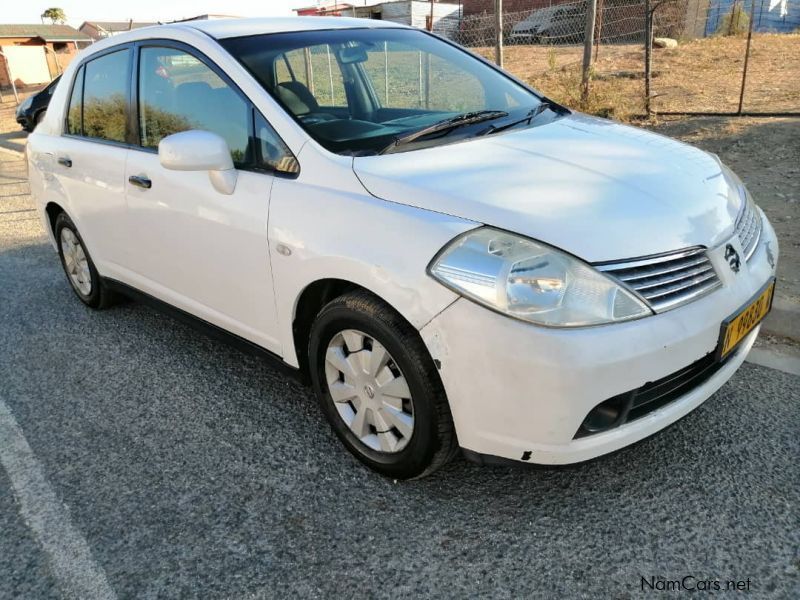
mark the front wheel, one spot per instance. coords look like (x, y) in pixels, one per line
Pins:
(379, 387)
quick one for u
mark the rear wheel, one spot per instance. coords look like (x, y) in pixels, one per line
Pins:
(78, 266)
(379, 387)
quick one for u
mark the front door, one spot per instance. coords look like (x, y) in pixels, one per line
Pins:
(192, 246)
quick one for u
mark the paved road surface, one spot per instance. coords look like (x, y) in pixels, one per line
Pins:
(141, 459)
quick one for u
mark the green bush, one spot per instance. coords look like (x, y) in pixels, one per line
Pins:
(735, 22)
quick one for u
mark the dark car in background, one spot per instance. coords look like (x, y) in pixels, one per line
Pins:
(558, 24)
(32, 109)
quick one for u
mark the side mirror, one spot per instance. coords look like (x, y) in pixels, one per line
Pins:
(200, 151)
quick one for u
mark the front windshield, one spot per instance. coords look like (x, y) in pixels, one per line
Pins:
(356, 91)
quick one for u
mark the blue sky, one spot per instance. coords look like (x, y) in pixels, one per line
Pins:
(78, 11)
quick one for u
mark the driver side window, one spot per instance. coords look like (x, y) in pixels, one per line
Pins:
(178, 92)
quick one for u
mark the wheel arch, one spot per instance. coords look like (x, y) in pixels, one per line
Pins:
(52, 210)
(310, 301)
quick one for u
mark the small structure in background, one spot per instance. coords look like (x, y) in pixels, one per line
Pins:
(34, 54)
(99, 30)
(206, 17)
(324, 9)
(417, 13)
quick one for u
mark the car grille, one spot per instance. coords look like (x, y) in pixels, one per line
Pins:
(748, 228)
(667, 281)
(653, 395)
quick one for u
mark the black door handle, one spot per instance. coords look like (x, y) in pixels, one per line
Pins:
(64, 161)
(142, 182)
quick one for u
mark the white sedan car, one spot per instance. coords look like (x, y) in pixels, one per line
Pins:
(452, 260)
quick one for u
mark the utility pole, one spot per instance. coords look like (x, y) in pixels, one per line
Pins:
(498, 26)
(588, 40)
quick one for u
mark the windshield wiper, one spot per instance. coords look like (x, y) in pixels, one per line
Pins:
(467, 118)
(528, 118)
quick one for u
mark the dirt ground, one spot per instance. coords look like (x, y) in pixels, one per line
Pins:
(765, 153)
(702, 75)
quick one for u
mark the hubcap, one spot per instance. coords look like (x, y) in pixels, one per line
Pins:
(369, 391)
(75, 262)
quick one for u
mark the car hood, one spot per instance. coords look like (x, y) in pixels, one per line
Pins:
(595, 188)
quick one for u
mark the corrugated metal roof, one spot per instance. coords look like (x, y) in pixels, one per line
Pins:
(49, 33)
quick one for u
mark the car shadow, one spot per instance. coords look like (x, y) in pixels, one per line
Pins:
(13, 140)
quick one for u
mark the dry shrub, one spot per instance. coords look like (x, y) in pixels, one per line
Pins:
(605, 99)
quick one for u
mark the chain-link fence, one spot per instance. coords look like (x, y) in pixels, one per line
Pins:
(707, 56)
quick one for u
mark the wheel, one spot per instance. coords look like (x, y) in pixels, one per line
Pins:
(78, 266)
(379, 387)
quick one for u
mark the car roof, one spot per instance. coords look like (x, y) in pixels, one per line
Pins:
(228, 28)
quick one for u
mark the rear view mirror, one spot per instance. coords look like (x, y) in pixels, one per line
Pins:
(197, 150)
(352, 54)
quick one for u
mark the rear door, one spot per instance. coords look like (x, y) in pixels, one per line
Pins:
(194, 247)
(90, 157)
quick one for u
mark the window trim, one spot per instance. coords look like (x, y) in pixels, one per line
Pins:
(82, 67)
(134, 115)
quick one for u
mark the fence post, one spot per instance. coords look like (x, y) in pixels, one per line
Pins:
(598, 27)
(588, 40)
(746, 53)
(498, 32)
(648, 54)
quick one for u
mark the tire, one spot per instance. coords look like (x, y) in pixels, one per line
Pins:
(334, 335)
(81, 273)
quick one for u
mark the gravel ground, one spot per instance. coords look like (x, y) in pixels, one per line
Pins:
(765, 153)
(192, 470)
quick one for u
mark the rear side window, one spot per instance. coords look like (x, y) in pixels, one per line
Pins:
(178, 92)
(105, 95)
(75, 111)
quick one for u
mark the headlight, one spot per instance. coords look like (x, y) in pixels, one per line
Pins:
(532, 282)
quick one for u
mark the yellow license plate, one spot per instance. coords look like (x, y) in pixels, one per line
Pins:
(736, 328)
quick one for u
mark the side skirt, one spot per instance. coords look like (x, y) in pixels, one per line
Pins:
(209, 329)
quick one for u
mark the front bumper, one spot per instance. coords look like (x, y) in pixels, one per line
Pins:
(520, 392)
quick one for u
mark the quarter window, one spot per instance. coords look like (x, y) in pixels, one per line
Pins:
(105, 96)
(178, 92)
(273, 155)
(75, 111)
